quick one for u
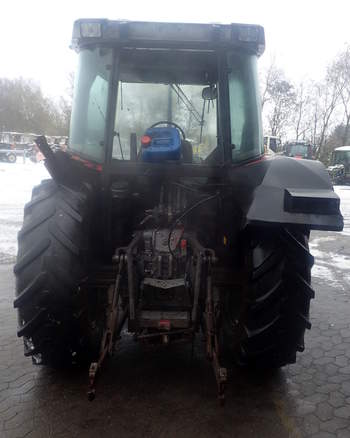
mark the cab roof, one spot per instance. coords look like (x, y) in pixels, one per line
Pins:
(156, 35)
(343, 148)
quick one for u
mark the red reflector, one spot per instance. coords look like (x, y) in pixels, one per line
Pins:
(87, 163)
(164, 324)
(183, 244)
(146, 140)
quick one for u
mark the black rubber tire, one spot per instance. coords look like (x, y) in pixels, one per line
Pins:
(11, 158)
(268, 328)
(52, 261)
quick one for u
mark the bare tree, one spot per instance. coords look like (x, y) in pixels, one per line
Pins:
(23, 107)
(281, 102)
(70, 88)
(340, 73)
(327, 98)
(269, 77)
(307, 112)
(300, 118)
(310, 110)
(277, 99)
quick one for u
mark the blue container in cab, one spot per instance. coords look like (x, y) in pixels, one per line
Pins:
(165, 145)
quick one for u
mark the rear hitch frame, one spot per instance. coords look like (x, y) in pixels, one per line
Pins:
(205, 257)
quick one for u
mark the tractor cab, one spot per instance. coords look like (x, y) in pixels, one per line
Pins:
(142, 90)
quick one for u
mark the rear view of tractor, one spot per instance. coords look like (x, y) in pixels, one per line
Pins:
(164, 216)
(299, 149)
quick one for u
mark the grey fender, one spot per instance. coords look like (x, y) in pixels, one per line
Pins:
(289, 191)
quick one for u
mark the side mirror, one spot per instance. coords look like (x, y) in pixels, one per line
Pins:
(210, 93)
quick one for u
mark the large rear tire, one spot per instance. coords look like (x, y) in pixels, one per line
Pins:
(267, 329)
(52, 261)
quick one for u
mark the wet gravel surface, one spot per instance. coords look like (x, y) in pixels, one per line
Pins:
(146, 392)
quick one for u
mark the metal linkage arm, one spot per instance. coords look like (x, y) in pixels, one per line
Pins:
(108, 337)
(213, 349)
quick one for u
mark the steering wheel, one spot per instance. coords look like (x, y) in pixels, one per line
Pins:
(165, 122)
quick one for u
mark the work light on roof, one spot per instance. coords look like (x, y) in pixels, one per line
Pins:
(90, 29)
(248, 34)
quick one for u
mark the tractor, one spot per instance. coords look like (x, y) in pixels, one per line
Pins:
(339, 169)
(164, 217)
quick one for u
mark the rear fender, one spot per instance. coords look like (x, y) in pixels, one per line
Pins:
(288, 191)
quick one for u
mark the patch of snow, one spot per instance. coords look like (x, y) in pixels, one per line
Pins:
(328, 275)
(319, 240)
(344, 193)
(323, 272)
(339, 261)
(331, 267)
(16, 182)
(316, 252)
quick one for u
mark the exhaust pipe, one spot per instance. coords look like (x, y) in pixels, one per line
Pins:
(53, 163)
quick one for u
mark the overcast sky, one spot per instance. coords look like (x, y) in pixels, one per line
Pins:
(303, 36)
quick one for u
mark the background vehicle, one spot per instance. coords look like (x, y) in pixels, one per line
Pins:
(10, 152)
(7, 153)
(339, 170)
(141, 227)
(299, 149)
(21, 142)
(272, 142)
(17, 138)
